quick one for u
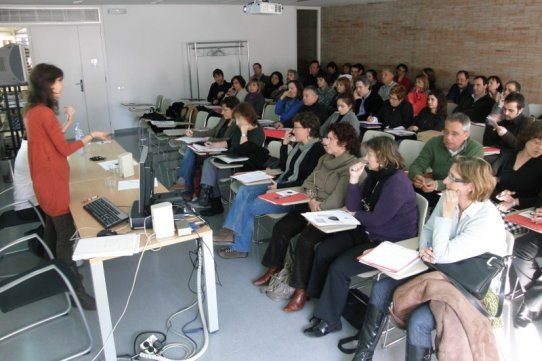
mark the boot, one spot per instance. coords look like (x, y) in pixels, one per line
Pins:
(369, 333)
(297, 302)
(417, 353)
(86, 300)
(204, 199)
(216, 208)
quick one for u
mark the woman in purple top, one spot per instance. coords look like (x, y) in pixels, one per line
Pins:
(255, 96)
(385, 205)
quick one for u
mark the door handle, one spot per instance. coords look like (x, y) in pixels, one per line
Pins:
(81, 84)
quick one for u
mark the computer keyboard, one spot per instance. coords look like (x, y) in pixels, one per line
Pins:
(105, 212)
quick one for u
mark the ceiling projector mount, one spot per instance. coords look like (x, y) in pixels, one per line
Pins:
(262, 7)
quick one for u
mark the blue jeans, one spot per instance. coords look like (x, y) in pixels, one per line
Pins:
(245, 207)
(421, 321)
(187, 169)
(210, 175)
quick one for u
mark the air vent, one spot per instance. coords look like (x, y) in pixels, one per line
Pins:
(12, 15)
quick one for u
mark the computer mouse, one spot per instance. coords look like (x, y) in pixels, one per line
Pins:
(106, 232)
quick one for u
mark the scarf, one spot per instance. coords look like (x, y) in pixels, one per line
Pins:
(372, 187)
(299, 147)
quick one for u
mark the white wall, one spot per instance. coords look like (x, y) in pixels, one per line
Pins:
(146, 48)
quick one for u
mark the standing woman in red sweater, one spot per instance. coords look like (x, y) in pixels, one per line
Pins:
(47, 156)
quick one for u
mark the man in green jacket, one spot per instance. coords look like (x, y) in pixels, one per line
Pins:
(438, 153)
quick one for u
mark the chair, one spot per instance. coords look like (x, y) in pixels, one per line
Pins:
(370, 134)
(212, 122)
(269, 113)
(450, 107)
(201, 119)
(410, 149)
(51, 279)
(535, 110)
(477, 133)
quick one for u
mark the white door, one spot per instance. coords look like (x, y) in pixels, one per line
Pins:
(77, 50)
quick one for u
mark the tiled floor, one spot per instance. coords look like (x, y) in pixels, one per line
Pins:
(252, 327)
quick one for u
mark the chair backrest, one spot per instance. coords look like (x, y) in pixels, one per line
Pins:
(450, 107)
(158, 103)
(535, 110)
(274, 148)
(269, 112)
(212, 122)
(370, 134)
(410, 149)
(423, 205)
(166, 102)
(201, 119)
(477, 133)
(509, 243)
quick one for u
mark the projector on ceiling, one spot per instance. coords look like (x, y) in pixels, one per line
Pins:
(262, 8)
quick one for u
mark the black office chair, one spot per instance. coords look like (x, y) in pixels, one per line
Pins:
(47, 280)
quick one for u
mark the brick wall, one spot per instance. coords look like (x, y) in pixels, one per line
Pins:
(485, 37)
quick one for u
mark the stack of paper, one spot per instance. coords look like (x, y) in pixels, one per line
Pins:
(400, 132)
(203, 149)
(285, 197)
(190, 140)
(390, 257)
(231, 159)
(110, 246)
(491, 150)
(256, 177)
(335, 220)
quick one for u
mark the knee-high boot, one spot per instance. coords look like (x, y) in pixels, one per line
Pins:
(204, 199)
(216, 208)
(417, 353)
(369, 333)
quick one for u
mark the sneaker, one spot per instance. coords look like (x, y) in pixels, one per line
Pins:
(229, 253)
(223, 236)
(282, 291)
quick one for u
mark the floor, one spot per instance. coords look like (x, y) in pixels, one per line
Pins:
(252, 326)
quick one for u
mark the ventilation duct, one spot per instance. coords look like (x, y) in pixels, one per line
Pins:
(26, 15)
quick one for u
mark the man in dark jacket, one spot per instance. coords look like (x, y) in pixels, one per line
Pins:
(478, 105)
(311, 104)
(367, 102)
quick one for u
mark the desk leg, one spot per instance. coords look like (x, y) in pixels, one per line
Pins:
(210, 282)
(104, 314)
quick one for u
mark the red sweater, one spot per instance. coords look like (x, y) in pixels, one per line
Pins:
(47, 156)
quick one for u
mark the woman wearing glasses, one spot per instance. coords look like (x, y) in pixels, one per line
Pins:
(385, 205)
(464, 224)
(326, 187)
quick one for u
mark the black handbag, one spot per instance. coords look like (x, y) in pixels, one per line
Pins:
(473, 274)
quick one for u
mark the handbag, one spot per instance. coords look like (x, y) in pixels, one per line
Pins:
(473, 274)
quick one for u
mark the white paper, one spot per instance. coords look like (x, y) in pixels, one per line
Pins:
(399, 132)
(333, 217)
(132, 184)
(204, 149)
(390, 257)
(251, 177)
(286, 193)
(266, 122)
(190, 140)
(229, 159)
(110, 246)
(109, 164)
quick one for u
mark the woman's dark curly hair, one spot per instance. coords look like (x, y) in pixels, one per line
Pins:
(308, 120)
(42, 77)
(240, 79)
(347, 137)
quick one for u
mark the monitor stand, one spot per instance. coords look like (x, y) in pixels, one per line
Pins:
(137, 220)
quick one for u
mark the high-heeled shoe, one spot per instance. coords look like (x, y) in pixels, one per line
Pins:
(266, 276)
(524, 316)
(297, 302)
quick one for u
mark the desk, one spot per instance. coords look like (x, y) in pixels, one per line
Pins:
(83, 169)
(87, 226)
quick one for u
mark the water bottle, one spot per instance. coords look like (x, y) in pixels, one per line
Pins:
(79, 135)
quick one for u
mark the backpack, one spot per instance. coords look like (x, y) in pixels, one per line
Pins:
(153, 115)
(175, 111)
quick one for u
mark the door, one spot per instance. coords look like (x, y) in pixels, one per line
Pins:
(77, 50)
(307, 39)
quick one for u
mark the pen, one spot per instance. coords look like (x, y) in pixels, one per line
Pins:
(89, 199)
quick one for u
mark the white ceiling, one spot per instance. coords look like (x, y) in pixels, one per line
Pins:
(186, 2)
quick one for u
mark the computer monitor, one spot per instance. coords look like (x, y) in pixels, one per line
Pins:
(146, 181)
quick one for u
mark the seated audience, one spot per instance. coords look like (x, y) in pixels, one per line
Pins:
(401, 78)
(291, 75)
(418, 95)
(494, 87)
(431, 77)
(255, 97)
(247, 139)
(519, 174)
(478, 105)
(310, 78)
(357, 70)
(296, 166)
(387, 83)
(511, 86)
(529, 273)
(259, 75)
(343, 114)
(325, 92)
(218, 89)
(508, 125)
(461, 86)
(385, 205)
(438, 154)
(372, 76)
(216, 137)
(342, 86)
(275, 82)
(326, 187)
(332, 72)
(237, 89)
(433, 115)
(347, 68)
(311, 104)
(367, 100)
(289, 104)
(464, 224)
(395, 112)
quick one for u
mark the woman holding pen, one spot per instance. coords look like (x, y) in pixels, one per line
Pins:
(296, 165)
(216, 137)
(47, 157)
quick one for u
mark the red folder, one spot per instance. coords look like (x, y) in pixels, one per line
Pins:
(272, 197)
(517, 218)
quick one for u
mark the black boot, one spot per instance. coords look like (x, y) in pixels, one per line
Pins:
(369, 333)
(216, 208)
(417, 353)
(204, 199)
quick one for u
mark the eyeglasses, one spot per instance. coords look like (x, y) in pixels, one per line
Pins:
(456, 180)
(298, 127)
